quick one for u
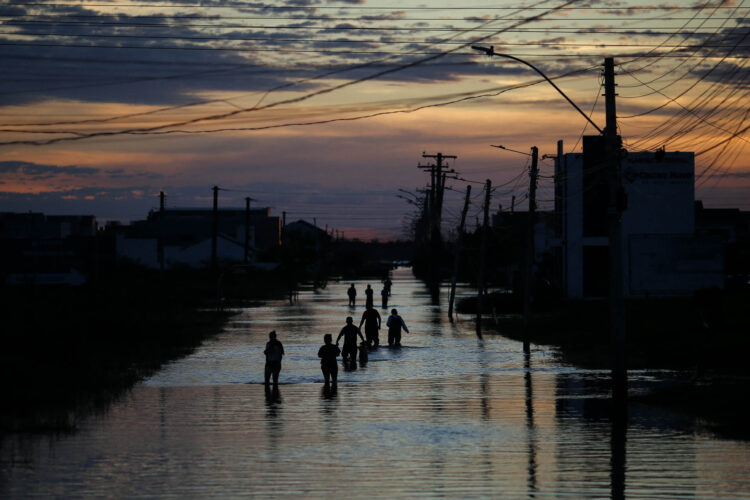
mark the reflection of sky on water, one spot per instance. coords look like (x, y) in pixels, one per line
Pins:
(447, 415)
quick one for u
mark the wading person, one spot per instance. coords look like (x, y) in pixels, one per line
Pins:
(349, 332)
(369, 292)
(395, 323)
(371, 320)
(352, 293)
(387, 284)
(274, 352)
(384, 297)
(328, 354)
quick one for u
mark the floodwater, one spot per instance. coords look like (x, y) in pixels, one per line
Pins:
(447, 415)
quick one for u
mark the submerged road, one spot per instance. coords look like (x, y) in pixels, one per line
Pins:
(448, 415)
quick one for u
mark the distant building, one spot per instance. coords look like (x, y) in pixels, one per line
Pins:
(186, 237)
(310, 232)
(47, 249)
(662, 253)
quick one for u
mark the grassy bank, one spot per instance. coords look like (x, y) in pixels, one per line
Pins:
(70, 351)
(706, 339)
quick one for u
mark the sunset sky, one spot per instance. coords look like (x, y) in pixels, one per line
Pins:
(323, 108)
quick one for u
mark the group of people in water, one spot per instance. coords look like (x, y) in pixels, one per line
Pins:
(369, 293)
(330, 352)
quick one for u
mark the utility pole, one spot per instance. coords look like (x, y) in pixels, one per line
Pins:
(215, 228)
(616, 205)
(483, 257)
(247, 228)
(513, 204)
(529, 271)
(160, 249)
(283, 227)
(457, 257)
(438, 173)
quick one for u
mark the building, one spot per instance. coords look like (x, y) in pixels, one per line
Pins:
(184, 237)
(662, 254)
(47, 249)
(311, 233)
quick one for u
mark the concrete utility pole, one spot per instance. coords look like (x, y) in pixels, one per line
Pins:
(247, 228)
(529, 271)
(616, 205)
(457, 257)
(215, 228)
(483, 257)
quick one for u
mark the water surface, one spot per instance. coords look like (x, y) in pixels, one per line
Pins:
(448, 415)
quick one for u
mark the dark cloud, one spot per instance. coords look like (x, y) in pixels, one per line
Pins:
(36, 170)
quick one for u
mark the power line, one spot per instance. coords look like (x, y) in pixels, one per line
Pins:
(536, 43)
(277, 103)
(348, 7)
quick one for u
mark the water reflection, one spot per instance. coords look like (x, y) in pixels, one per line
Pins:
(530, 424)
(619, 436)
(448, 415)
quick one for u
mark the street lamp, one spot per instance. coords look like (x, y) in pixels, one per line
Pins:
(616, 205)
(490, 51)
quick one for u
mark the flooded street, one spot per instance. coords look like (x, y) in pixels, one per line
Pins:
(448, 415)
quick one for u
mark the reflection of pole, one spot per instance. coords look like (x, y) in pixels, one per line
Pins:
(457, 257)
(618, 445)
(483, 257)
(529, 271)
(614, 214)
(215, 228)
(530, 425)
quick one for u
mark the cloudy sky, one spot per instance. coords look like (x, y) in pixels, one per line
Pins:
(323, 109)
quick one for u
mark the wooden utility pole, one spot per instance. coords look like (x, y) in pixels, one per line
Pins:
(247, 228)
(483, 257)
(615, 207)
(215, 228)
(437, 188)
(529, 271)
(457, 257)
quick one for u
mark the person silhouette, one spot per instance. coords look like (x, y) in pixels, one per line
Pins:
(395, 323)
(371, 320)
(369, 292)
(352, 293)
(328, 354)
(274, 352)
(384, 297)
(349, 332)
(387, 284)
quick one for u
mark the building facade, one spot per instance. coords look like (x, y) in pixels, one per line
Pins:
(662, 255)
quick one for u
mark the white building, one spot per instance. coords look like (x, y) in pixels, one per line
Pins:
(661, 254)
